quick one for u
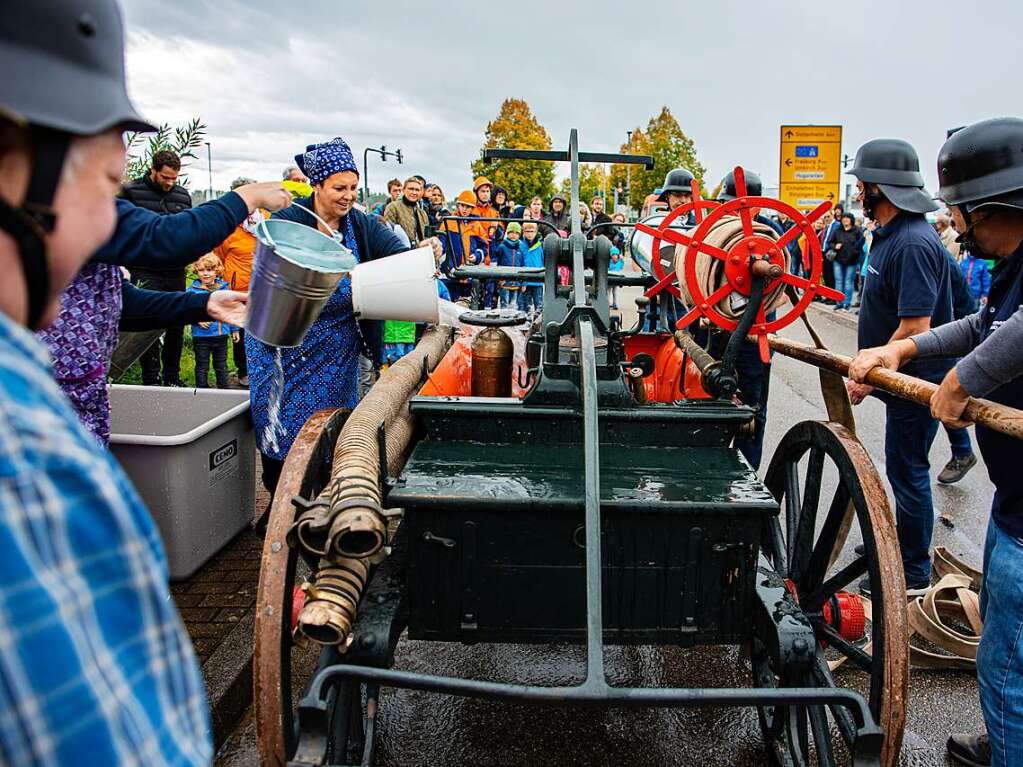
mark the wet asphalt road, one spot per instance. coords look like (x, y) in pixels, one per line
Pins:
(422, 729)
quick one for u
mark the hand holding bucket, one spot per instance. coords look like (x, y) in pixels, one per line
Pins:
(297, 268)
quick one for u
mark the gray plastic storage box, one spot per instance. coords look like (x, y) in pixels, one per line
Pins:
(191, 454)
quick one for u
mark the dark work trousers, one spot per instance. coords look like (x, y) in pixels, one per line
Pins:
(206, 347)
(239, 355)
(753, 378)
(173, 338)
(271, 473)
(959, 440)
(908, 435)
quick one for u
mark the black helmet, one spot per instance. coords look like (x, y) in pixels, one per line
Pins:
(754, 187)
(64, 67)
(677, 180)
(893, 165)
(982, 164)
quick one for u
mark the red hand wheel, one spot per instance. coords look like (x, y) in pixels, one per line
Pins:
(666, 279)
(739, 259)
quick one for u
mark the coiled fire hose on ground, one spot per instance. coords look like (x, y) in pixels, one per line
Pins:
(710, 271)
(346, 525)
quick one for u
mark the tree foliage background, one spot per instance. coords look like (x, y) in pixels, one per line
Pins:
(182, 140)
(591, 184)
(670, 147)
(515, 127)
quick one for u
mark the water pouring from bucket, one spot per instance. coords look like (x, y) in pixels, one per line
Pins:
(296, 269)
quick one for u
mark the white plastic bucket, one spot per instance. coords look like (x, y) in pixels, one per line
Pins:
(399, 287)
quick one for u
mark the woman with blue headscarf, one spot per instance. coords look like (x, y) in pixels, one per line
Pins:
(324, 371)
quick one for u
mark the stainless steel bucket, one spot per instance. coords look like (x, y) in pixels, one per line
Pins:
(295, 270)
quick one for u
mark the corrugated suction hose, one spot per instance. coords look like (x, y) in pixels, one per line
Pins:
(346, 525)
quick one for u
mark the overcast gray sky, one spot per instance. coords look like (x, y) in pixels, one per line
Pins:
(269, 77)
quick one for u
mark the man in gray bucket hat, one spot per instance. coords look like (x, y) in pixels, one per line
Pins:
(907, 290)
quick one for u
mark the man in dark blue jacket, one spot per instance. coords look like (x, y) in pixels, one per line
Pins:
(907, 290)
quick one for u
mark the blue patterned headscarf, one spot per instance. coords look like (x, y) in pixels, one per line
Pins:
(321, 161)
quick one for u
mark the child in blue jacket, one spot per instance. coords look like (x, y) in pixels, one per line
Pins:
(615, 265)
(511, 252)
(977, 275)
(209, 339)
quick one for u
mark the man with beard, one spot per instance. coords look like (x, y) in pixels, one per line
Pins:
(980, 169)
(907, 291)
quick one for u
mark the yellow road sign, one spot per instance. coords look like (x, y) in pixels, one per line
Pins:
(810, 164)
(808, 196)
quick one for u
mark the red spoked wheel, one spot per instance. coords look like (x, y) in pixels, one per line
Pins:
(666, 279)
(740, 257)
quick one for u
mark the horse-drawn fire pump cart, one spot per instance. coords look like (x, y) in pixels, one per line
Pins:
(469, 498)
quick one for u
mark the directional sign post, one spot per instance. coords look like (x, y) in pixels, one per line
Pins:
(810, 164)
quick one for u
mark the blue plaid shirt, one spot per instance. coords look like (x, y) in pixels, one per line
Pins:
(95, 665)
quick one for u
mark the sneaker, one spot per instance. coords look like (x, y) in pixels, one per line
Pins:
(176, 382)
(956, 469)
(243, 380)
(913, 590)
(971, 750)
(837, 308)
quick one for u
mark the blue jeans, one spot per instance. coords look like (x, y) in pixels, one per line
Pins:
(509, 298)
(1000, 656)
(533, 294)
(959, 440)
(845, 280)
(908, 434)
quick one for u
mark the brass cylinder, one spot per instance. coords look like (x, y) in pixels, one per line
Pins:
(492, 356)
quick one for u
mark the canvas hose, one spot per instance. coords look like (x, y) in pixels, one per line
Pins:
(710, 271)
(946, 617)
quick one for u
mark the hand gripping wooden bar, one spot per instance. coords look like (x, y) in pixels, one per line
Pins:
(1000, 418)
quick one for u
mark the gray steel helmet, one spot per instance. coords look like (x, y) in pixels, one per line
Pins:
(754, 187)
(63, 62)
(893, 165)
(677, 180)
(982, 165)
(63, 65)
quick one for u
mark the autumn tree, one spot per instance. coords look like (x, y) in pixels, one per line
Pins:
(670, 147)
(591, 183)
(517, 128)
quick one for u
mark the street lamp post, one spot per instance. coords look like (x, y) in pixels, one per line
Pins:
(209, 166)
(384, 154)
(628, 171)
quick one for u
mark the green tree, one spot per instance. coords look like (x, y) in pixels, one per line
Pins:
(591, 183)
(670, 147)
(517, 128)
(181, 140)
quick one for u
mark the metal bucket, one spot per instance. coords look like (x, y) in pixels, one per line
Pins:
(295, 270)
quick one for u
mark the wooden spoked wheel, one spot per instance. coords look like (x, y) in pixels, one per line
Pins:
(805, 546)
(306, 471)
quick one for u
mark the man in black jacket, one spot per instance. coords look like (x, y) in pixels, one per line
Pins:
(159, 192)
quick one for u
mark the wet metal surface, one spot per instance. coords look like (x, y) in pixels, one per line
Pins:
(423, 729)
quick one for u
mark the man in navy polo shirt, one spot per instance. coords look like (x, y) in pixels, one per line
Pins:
(980, 169)
(907, 291)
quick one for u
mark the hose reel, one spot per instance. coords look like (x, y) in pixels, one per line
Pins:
(721, 258)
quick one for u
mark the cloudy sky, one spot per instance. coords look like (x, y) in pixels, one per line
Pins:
(269, 77)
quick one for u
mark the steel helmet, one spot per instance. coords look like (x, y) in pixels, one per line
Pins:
(893, 165)
(64, 66)
(482, 181)
(466, 197)
(677, 180)
(982, 164)
(754, 187)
